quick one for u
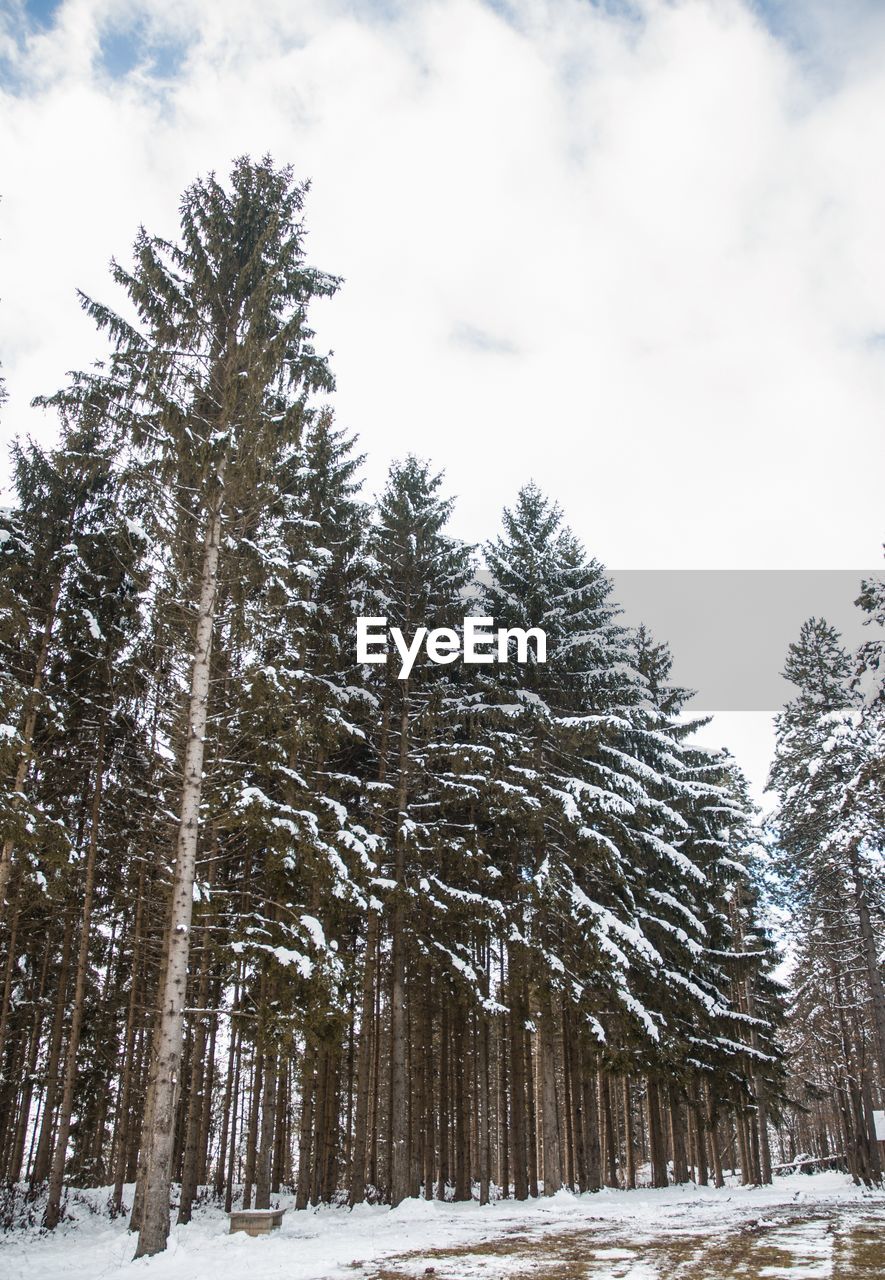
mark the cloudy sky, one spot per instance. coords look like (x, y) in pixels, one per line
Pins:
(633, 250)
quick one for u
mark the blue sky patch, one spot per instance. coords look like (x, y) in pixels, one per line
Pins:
(125, 48)
(42, 12)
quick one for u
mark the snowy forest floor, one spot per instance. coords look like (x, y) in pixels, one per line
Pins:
(803, 1227)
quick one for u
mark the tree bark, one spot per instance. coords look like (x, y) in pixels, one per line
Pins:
(629, 1148)
(167, 1049)
(550, 1129)
(677, 1139)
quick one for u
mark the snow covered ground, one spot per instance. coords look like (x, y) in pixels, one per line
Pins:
(805, 1228)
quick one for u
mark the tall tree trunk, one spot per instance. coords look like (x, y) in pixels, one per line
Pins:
(208, 1088)
(484, 1107)
(56, 1176)
(550, 1129)
(656, 1136)
(503, 1112)
(743, 1137)
(227, 1105)
(462, 1105)
(629, 1147)
(677, 1138)
(357, 1190)
(715, 1154)
(278, 1172)
(399, 1100)
(516, 1023)
(700, 1129)
(531, 1104)
(319, 1126)
(167, 1048)
(40, 1171)
(124, 1105)
(429, 1074)
(609, 1134)
(235, 1113)
(252, 1134)
(443, 1096)
(305, 1131)
(591, 1119)
(195, 1090)
(268, 1121)
(572, 1047)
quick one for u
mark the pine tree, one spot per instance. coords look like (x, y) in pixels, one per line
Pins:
(210, 385)
(419, 573)
(827, 832)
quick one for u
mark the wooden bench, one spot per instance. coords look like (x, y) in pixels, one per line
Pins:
(256, 1222)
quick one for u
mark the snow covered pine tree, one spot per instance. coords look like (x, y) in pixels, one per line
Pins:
(211, 385)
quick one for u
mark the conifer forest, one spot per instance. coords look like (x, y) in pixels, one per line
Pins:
(277, 920)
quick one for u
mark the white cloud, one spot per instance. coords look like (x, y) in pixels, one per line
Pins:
(637, 258)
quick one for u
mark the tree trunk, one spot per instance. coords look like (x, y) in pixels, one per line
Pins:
(443, 1097)
(226, 1109)
(531, 1105)
(550, 1129)
(609, 1135)
(235, 1112)
(462, 1105)
(677, 1139)
(700, 1130)
(252, 1135)
(195, 1091)
(629, 1148)
(429, 1074)
(124, 1105)
(167, 1049)
(399, 1100)
(591, 1120)
(503, 1114)
(56, 1176)
(484, 1104)
(516, 1023)
(268, 1121)
(40, 1171)
(305, 1131)
(715, 1155)
(357, 1190)
(656, 1137)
